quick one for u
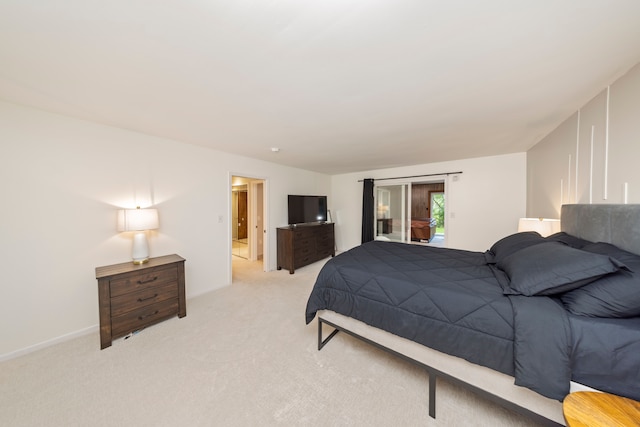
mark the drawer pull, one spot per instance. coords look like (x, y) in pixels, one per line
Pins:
(142, 282)
(147, 299)
(148, 315)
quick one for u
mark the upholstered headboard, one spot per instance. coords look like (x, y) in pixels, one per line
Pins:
(616, 224)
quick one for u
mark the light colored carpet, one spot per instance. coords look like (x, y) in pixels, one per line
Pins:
(243, 356)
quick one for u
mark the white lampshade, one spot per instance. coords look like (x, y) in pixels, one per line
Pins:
(544, 226)
(138, 220)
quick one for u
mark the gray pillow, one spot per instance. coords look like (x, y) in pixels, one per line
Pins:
(568, 239)
(511, 244)
(615, 295)
(552, 268)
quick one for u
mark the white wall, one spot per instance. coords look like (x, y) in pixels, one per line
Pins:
(486, 200)
(562, 169)
(61, 182)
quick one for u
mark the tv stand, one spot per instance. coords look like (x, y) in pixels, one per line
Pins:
(304, 244)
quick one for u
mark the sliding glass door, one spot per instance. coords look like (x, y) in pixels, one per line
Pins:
(393, 212)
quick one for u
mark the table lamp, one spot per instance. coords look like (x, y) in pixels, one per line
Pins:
(138, 220)
(544, 226)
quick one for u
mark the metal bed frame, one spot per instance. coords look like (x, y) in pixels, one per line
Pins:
(434, 374)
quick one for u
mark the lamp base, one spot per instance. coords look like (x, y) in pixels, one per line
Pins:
(140, 251)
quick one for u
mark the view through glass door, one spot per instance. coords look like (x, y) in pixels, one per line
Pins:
(437, 210)
(427, 212)
(411, 212)
(393, 212)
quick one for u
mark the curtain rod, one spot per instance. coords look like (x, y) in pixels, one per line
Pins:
(415, 176)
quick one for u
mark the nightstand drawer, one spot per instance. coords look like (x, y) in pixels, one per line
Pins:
(138, 319)
(129, 302)
(149, 278)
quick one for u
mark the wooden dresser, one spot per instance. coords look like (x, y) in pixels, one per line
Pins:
(132, 297)
(304, 244)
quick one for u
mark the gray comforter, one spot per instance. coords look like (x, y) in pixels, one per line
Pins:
(450, 300)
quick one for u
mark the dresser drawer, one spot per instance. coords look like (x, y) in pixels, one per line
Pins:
(303, 233)
(301, 261)
(138, 319)
(148, 278)
(324, 252)
(305, 241)
(133, 301)
(325, 237)
(303, 252)
(322, 244)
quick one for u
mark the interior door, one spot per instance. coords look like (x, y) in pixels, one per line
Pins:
(260, 229)
(393, 212)
(242, 215)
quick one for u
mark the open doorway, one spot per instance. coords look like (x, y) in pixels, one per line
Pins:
(239, 221)
(248, 223)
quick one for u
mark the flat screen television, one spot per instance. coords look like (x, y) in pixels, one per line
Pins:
(304, 209)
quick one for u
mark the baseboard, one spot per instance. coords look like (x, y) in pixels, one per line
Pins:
(49, 343)
(69, 336)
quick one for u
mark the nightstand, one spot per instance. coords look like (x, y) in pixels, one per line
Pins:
(593, 409)
(132, 297)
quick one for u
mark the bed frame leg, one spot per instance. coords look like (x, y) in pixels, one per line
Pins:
(432, 394)
(321, 342)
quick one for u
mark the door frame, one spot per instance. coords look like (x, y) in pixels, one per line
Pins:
(410, 181)
(405, 207)
(252, 225)
(252, 215)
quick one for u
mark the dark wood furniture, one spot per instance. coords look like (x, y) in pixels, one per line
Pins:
(385, 226)
(304, 244)
(131, 297)
(593, 409)
(423, 229)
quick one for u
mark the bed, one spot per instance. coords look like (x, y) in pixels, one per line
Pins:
(522, 324)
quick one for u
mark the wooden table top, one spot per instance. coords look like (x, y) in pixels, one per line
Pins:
(126, 267)
(593, 409)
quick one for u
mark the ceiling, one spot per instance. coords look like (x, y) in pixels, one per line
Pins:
(338, 85)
